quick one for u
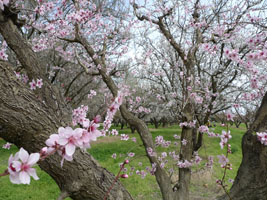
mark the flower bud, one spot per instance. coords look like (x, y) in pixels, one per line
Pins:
(43, 151)
(124, 176)
(126, 162)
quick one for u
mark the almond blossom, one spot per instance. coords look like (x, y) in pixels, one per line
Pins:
(262, 137)
(32, 85)
(224, 138)
(203, 129)
(20, 167)
(70, 139)
(223, 160)
(39, 83)
(6, 146)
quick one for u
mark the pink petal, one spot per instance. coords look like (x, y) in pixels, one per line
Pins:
(14, 178)
(34, 157)
(16, 165)
(68, 158)
(32, 172)
(52, 139)
(23, 155)
(68, 131)
(24, 177)
(78, 132)
(62, 141)
(61, 131)
(70, 149)
(11, 158)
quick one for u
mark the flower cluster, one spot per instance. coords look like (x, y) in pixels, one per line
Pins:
(124, 137)
(3, 55)
(188, 124)
(159, 140)
(34, 85)
(92, 93)
(209, 164)
(223, 160)
(203, 129)
(79, 116)
(67, 139)
(224, 138)
(111, 112)
(185, 164)
(22, 77)
(114, 132)
(177, 137)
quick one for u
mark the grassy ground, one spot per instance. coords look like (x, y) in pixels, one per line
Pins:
(203, 181)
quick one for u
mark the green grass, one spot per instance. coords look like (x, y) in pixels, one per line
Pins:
(46, 188)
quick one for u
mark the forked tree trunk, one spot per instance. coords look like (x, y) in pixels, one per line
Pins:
(251, 180)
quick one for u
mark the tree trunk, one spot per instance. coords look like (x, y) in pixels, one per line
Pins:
(132, 129)
(251, 180)
(186, 154)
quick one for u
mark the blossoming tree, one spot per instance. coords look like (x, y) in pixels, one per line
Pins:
(35, 115)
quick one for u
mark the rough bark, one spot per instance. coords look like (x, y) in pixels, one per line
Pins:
(27, 122)
(251, 180)
(186, 154)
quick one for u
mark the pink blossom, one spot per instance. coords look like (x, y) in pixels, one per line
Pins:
(223, 160)
(124, 176)
(159, 140)
(69, 138)
(184, 142)
(20, 167)
(199, 99)
(124, 137)
(131, 154)
(32, 85)
(39, 83)
(114, 156)
(229, 116)
(150, 151)
(203, 129)
(52, 142)
(177, 137)
(6, 146)
(209, 164)
(114, 132)
(262, 137)
(92, 93)
(138, 99)
(185, 164)
(133, 139)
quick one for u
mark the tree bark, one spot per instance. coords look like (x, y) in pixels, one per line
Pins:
(251, 180)
(186, 154)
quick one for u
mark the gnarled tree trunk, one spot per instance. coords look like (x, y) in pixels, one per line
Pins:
(251, 180)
